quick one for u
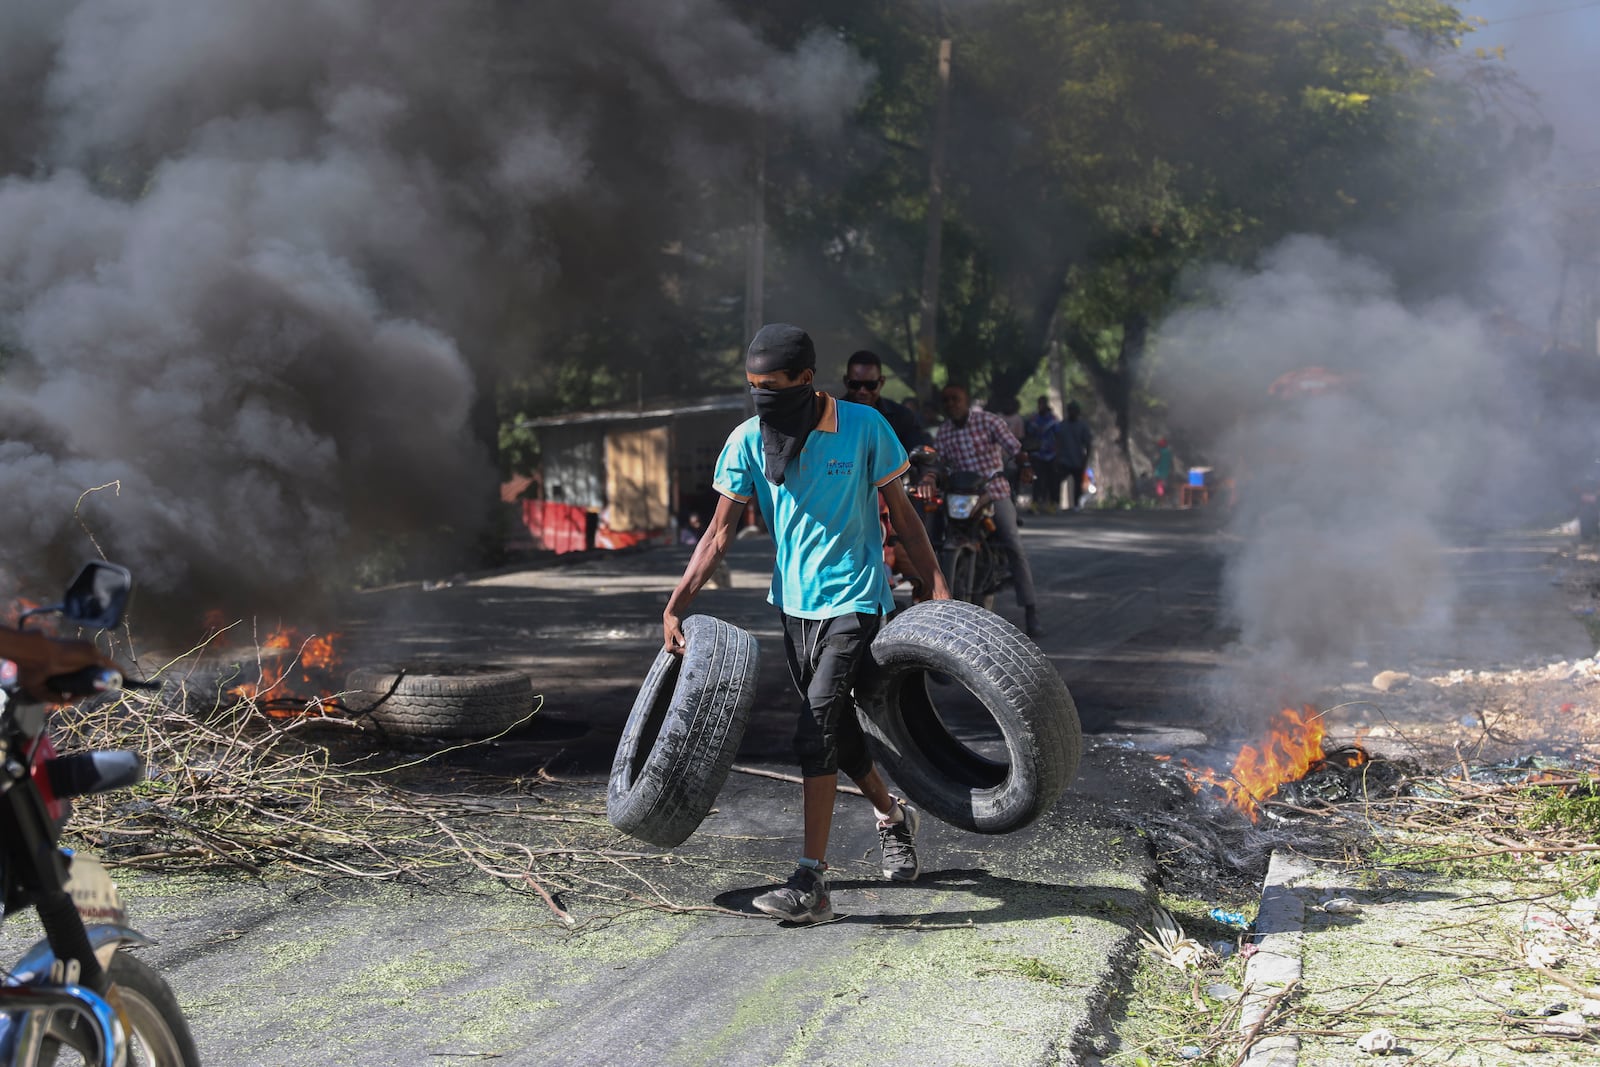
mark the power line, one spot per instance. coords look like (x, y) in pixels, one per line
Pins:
(1542, 14)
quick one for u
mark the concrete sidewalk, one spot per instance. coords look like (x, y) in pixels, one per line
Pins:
(1440, 962)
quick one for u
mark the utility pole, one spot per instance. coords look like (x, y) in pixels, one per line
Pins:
(927, 331)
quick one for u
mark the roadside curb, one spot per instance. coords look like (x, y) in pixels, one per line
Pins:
(1276, 965)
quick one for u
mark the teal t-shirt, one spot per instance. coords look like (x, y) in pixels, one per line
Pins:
(824, 517)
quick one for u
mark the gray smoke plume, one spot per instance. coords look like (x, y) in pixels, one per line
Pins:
(1438, 417)
(255, 257)
(1356, 479)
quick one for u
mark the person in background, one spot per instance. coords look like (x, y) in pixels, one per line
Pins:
(972, 440)
(1010, 409)
(689, 533)
(817, 467)
(693, 526)
(863, 384)
(1074, 450)
(1040, 432)
(1161, 473)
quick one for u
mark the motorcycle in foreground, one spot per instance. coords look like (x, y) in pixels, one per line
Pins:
(974, 563)
(76, 996)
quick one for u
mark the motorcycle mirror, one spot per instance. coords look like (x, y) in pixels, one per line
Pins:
(98, 596)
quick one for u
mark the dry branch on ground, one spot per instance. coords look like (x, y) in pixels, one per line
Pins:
(229, 786)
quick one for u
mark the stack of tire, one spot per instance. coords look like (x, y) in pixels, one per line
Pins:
(685, 727)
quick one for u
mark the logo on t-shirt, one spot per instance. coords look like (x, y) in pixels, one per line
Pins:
(841, 466)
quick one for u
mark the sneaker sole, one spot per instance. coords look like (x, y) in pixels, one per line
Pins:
(804, 919)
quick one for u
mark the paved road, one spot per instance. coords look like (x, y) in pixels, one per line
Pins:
(1128, 599)
(1005, 953)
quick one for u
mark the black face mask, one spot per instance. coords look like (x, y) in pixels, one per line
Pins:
(787, 418)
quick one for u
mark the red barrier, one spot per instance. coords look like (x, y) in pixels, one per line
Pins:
(606, 537)
(556, 527)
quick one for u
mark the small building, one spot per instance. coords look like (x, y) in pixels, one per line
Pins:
(616, 478)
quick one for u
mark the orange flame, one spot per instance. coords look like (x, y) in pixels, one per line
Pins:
(292, 666)
(1293, 747)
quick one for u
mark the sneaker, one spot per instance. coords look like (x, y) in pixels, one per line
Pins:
(802, 899)
(899, 844)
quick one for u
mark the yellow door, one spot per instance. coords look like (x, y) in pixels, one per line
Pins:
(637, 484)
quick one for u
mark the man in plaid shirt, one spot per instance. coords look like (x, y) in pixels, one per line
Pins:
(979, 441)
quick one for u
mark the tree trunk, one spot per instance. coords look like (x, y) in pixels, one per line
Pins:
(1113, 387)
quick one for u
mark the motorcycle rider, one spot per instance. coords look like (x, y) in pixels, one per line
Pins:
(974, 440)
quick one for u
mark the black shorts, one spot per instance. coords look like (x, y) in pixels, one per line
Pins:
(825, 656)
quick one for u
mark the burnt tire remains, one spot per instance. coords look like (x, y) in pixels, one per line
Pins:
(683, 732)
(1016, 684)
(440, 700)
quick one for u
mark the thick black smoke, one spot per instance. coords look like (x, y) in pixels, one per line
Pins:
(256, 257)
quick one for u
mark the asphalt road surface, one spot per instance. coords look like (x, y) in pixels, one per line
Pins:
(1006, 952)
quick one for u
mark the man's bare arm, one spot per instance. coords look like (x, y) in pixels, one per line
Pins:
(708, 553)
(908, 524)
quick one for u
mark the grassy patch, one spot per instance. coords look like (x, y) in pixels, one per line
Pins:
(1036, 970)
(1575, 808)
(1167, 1016)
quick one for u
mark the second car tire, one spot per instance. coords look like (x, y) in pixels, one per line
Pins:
(441, 700)
(1017, 685)
(683, 732)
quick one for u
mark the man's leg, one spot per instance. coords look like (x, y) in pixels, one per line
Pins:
(817, 793)
(805, 897)
(1005, 524)
(897, 827)
(823, 656)
(839, 663)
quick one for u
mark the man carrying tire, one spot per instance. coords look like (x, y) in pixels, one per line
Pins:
(816, 466)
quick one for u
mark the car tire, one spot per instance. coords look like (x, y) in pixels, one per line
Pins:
(440, 700)
(683, 732)
(1017, 685)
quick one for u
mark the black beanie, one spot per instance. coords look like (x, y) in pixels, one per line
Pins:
(780, 347)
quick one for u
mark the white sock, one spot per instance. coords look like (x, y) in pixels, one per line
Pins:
(895, 817)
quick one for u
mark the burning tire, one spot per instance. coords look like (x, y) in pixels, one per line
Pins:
(683, 732)
(1015, 684)
(440, 701)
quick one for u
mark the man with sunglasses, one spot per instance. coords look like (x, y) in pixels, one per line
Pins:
(863, 384)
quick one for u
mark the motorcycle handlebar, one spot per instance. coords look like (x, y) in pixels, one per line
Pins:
(50, 668)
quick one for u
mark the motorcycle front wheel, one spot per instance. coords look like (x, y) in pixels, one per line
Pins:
(965, 579)
(158, 1034)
